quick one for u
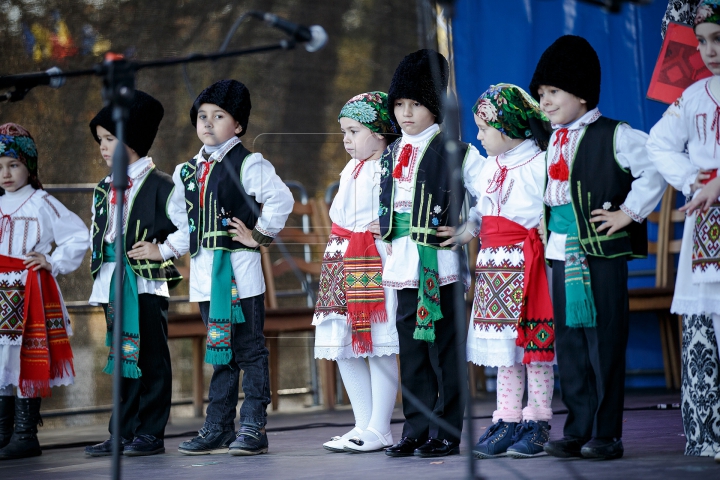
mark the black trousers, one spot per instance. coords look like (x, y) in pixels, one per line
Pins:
(430, 371)
(591, 361)
(145, 401)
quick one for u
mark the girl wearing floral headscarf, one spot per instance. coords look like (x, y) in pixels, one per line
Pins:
(511, 326)
(685, 147)
(355, 315)
(35, 353)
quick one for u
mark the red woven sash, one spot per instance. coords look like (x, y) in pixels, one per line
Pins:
(45, 353)
(536, 333)
(364, 293)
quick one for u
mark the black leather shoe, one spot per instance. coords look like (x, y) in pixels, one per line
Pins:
(603, 448)
(404, 448)
(566, 447)
(104, 449)
(144, 445)
(435, 447)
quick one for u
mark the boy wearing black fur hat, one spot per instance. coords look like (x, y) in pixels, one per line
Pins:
(220, 192)
(146, 370)
(600, 188)
(417, 197)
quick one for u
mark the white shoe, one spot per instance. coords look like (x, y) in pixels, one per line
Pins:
(358, 445)
(337, 444)
(717, 458)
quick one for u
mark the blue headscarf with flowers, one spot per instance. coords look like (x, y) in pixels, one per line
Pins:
(370, 109)
(16, 142)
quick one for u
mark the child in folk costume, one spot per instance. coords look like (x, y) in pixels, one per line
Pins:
(511, 324)
(355, 318)
(600, 188)
(685, 147)
(35, 352)
(146, 385)
(220, 193)
(418, 195)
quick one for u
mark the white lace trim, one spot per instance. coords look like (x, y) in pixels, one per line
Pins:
(338, 353)
(697, 306)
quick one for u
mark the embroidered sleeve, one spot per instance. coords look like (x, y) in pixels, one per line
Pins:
(71, 237)
(648, 187)
(260, 181)
(178, 242)
(168, 251)
(666, 148)
(637, 218)
(263, 237)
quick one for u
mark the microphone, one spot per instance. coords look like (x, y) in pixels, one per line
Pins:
(25, 81)
(314, 37)
(50, 77)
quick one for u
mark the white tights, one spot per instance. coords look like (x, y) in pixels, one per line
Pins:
(372, 388)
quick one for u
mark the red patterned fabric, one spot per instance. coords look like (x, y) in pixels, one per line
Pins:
(45, 353)
(403, 160)
(113, 201)
(559, 170)
(536, 332)
(205, 170)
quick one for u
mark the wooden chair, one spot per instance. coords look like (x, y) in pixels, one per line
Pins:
(658, 299)
(296, 319)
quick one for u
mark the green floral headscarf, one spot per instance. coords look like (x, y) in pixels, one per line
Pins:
(508, 108)
(370, 109)
(708, 12)
(16, 142)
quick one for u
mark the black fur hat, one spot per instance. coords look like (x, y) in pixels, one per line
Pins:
(146, 112)
(570, 64)
(413, 79)
(230, 95)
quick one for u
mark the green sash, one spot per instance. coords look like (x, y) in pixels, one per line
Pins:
(428, 311)
(130, 320)
(224, 310)
(579, 303)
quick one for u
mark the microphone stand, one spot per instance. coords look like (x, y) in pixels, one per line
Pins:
(454, 159)
(118, 90)
(101, 70)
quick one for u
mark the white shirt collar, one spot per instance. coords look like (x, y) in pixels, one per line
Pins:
(136, 169)
(217, 152)
(20, 193)
(139, 166)
(423, 136)
(589, 117)
(519, 154)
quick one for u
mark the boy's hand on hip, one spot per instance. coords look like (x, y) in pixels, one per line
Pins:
(145, 251)
(458, 236)
(241, 233)
(36, 261)
(611, 221)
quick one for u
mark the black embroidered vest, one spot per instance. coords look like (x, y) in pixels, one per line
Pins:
(434, 195)
(224, 198)
(147, 221)
(597, 181)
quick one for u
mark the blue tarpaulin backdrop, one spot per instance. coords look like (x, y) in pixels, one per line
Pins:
(498, 42)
